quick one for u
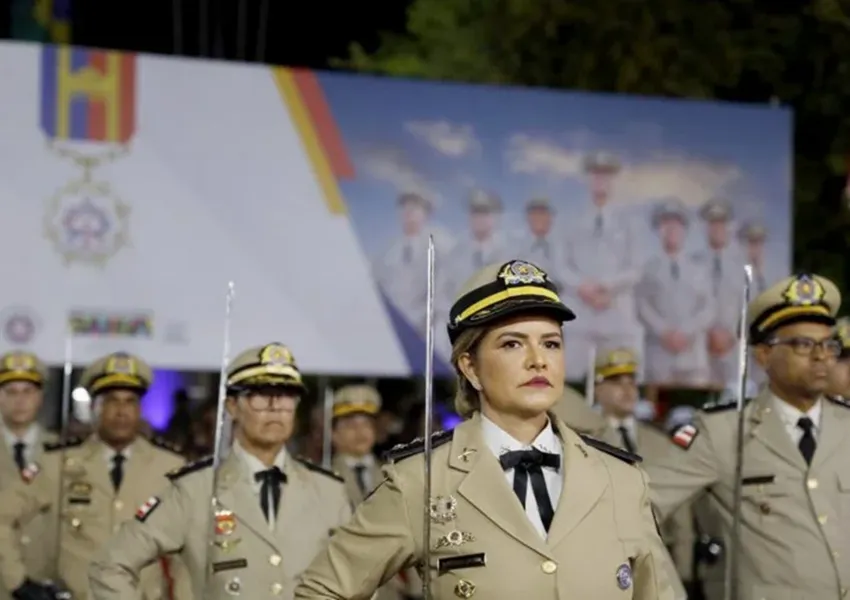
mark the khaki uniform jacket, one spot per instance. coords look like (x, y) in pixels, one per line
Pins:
(573, 410)
(482, 540)
(396, 588)
(90, 511)
(794, 544)
(677, 531)
(247, 559)
(37, 549)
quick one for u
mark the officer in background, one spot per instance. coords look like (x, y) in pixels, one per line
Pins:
(103, 479)
(22, 377)
(617, 394)
(796, 443)
(752, 236)
(540, 243)
(521, 505)
(355, 409)
(574, 411)
(601, 269)
(722, 261)
(839, 375)
(676, 305)
(275, 512)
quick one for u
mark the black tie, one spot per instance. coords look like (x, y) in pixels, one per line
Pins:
(530, 462)
(597, 226)
(627, 439)
(117, 472)
(360, 475)
(674, 270)
(20, 449)
(807, 442)
(717, 274)
(271, 480)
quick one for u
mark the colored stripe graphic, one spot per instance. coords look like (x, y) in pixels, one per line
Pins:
(302, 94)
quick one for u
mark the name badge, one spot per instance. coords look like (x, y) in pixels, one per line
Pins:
(228, 565)
(758, 479)
(464, 561)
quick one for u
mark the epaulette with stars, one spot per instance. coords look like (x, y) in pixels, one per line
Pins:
(624, 455)
(839, 400)
(192, 467)
(417, 446)
(164, 444)
(319, 469)
(72, 442)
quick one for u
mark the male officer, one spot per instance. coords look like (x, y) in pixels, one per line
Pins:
(540, 243)
(796, 443)
(675, 303)
(274, 511)
(573, 410)
(22, 376)
(94, 484)
(752, 236)
(722, 261)
(617, 395)
(602, 267)
(839, 375)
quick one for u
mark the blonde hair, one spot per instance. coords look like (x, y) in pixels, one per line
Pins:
(467, 399)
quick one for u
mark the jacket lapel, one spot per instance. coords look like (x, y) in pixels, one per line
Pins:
(296, 496)
(96, 469)
(348, 477)
(236, 494)
(585, 480)
(767, 427)
(833, 427)
(486, 488)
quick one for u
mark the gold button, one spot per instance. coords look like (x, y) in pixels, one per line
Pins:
(812, 483)
(25, 539)
(274, 559)
(276, 588)
(764, 507)
(822, 519)
(75, 523)
(549, 567)
(118, 505)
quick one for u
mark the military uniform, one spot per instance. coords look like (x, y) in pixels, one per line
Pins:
(752, 236)
(542, 248)
(601, 247)
(73, 478)
(674, 296)
(596, 538)
(38, 558)
(251, 554)
(793, 514)
(573, 410)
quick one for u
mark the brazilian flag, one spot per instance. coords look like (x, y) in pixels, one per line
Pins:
(42, 21)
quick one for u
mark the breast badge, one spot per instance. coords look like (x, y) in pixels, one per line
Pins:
(30, 472)
(225, 522)
(464, 589)
(443, 509)
(454, 538)
(624, 577)
(233, 587)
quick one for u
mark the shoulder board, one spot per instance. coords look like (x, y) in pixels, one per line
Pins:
(623, 455)
(192, 467)
(713, 406)
(319, 469)
(839, 400)
(164, 444)
(63, 444)
(417, 446)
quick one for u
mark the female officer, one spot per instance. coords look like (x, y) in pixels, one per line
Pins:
(522, 506)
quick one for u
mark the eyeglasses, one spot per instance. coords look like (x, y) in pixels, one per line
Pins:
(277, 401)
(803, 346)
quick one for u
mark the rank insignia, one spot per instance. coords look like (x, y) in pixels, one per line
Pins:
(443, 509)
(685, 435)
(454, 538)
(624, 577)
(225, 522)
(147, 508)
(520, 272)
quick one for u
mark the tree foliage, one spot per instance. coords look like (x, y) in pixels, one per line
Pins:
(796, 53)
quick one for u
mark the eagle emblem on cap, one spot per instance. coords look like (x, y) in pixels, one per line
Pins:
(520, 272)
(19, 361)
(276, 354)
(804, 291)
(620, 357)
(122, 364)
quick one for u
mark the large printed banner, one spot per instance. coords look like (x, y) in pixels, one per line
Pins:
(136, 187)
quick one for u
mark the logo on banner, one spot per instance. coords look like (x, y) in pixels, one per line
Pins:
(95, 323)
(19, 326)
(88, 115)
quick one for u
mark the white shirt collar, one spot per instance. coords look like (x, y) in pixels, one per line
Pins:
(109, 452)
(355, 461)
(629, 423)
(790, 414)
(499, 441)
(30, 437)
(254, 464)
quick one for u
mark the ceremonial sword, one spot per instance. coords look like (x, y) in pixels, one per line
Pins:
(429, 420)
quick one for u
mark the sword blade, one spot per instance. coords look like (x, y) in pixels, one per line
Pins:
(429, 419)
